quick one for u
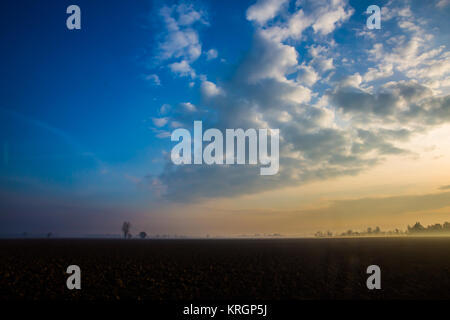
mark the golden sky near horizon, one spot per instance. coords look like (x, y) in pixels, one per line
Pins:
(305, 209)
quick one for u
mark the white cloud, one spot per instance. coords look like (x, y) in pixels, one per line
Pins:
(340, 130)
(324, 18)
(442, 3)
(410, 26)
(187, 15)
(297, 93)
(269, 59)
(164, 109)
(413, 55)
(163, 134)
(411, 52)
(180, 40)
(211, 54)
(382, 71)
(433, 69)
(159, 133)
(209, 89)
(153, 78)
(176, 124)
(353, 80)
(182, 69)
(188, 106)
(324, 64)
(264, 10)
(160, 122)
(320, 59)
(388, 12)
(328, 16)
(292, 29)
(307, 75)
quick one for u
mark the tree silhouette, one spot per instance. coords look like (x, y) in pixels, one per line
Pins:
(142, 235)
(126, 226)
(416, 228)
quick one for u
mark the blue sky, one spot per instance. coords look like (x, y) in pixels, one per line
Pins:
(86, 115)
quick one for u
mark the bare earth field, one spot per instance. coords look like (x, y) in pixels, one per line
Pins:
(412, 268)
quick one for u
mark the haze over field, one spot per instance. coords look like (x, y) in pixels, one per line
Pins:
(86, 115)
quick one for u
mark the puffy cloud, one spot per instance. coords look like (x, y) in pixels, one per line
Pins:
(295, 92)
(437, 85)
(382, 71)
(436, 68)
(388, 12)
(165, 108)
(187, 15)
(188, 106)
(329, 15)
(307, 75)
(176, 124)
(442, 3)
(401, 103)
(180, 40)
(211, 54)
(311, 148)
(291, 29)
(154, 79)
(378, 140)
(320, 59)
(182, 69)
(324, 64)
(262, 96)
(410, 51)
(160, 122)
(269, 58)
(342, 130)
(264, 10)
(162, 134)
(209, 89)
(324, 17)
(353, 80)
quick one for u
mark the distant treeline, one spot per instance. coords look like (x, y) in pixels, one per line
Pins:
(417, 229)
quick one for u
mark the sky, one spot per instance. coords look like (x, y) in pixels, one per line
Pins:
(86, 115)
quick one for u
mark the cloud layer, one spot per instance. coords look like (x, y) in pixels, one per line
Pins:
(333, 120)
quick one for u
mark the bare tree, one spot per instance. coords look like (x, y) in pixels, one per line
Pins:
(126, 226)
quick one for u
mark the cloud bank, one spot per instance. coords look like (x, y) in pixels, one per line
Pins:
(333, 120)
